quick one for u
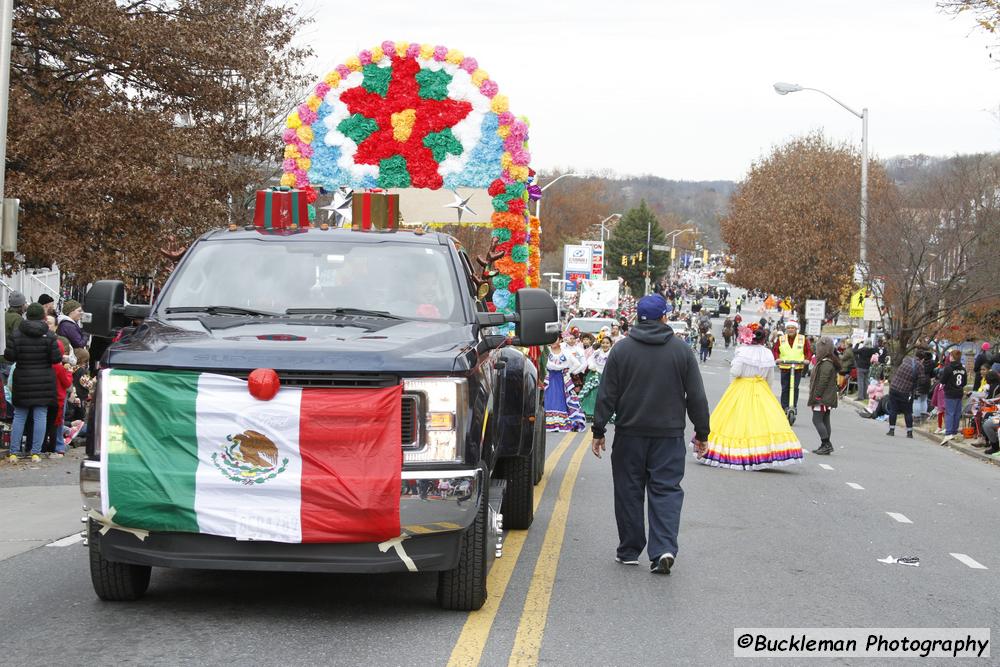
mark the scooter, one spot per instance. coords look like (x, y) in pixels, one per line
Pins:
(791, 411)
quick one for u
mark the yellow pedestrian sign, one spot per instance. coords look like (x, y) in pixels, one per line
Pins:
(858, 302)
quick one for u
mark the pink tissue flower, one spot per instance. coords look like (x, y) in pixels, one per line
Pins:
(389, 47)
(440, 53)
(322, 89)
(365, 57)
(505, 118)
(301, 180)
(519, 129)
(289, 164)
(521, 157)
(413, 51)
(306, 115)
(489, 88)
(343, 71)
(512, 143)
(470, 65)
(305, 150)
(288, 136)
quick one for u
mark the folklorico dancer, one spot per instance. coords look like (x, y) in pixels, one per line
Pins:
(562, 408)
(595, 367)
(749, 428)
(791, 347)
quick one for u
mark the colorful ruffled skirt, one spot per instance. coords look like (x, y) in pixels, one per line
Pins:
(588, 395)
(562, 408)
(750, 430)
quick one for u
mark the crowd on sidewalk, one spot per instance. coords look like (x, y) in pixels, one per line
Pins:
(46, 377)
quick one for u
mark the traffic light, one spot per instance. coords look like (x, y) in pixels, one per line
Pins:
(633, 260)
(624, 260)
(640, 255)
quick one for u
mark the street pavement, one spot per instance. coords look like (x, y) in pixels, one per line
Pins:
(796, 547)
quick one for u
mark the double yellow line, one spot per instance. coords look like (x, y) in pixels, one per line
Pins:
(468, 649)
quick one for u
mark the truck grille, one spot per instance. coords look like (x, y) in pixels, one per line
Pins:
(411, 422)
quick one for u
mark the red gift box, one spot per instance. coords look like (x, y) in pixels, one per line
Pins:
(281, 208)
(374, 211)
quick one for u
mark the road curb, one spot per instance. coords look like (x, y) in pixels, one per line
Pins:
(958, 444)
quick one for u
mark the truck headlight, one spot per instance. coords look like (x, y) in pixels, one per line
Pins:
(443, 411)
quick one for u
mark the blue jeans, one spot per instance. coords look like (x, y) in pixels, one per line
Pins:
(952, 415)
(39, 413)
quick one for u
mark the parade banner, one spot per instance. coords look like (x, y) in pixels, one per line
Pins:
(196, 453)
(598, 295)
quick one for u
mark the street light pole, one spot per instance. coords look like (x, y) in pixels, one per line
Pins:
(613, 215)
(538, 202)
(783, 89)
(649, 232)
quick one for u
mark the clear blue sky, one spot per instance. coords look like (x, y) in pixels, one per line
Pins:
(682, 89)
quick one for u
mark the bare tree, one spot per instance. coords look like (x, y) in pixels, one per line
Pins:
(933, 248)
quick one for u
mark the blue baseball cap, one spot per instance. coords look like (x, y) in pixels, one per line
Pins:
(651, 307)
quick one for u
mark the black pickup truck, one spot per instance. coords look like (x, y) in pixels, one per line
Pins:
(341, 308)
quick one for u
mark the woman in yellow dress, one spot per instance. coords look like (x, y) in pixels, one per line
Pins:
(749, 429)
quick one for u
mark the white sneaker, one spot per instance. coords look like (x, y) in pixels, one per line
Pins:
(626, 561)
(940, 431)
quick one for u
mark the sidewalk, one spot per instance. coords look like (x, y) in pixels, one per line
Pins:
(926, 430)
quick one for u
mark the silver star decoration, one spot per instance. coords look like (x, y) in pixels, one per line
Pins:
(340, 207)
(460, 205)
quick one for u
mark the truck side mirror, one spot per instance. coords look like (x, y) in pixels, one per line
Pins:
(105, 310)
(538, 319)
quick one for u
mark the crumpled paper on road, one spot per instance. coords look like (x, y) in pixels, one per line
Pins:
(913, 561)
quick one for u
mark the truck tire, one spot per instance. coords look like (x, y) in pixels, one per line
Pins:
(464, 588)
(115, 582)
(538, 448)
(518, 507)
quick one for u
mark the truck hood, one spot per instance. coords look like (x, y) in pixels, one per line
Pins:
(334, 343)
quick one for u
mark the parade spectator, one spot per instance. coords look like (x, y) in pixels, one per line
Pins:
(990, 428)
(33, 349)
(64, 381)
(69, 324)
(823, 392)
(595, 368)
(862, 361)
(16, 305)
(953, 377)
(69, 356)
(983, 359)
(650, 383)
(49, 304)
(922, 390)
(902, 386)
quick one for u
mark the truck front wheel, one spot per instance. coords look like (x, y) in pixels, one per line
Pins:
(114, 582)
(519, 499)
(464, 588)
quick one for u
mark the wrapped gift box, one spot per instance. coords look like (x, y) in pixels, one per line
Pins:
(281, 208)
(374, 211)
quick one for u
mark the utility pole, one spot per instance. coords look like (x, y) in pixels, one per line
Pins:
(649, 232)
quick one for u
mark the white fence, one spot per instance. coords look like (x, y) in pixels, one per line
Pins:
(32, 283)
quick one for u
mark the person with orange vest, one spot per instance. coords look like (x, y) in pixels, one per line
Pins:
(791, 347)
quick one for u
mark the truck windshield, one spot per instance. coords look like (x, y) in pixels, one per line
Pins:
(404, 280)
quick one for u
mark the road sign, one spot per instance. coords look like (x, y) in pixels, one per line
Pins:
(816, 309)
(661, 248)
(814, 327)
(871, 310)
(858, 302)
(574, 277)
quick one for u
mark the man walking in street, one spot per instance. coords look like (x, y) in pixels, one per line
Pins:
(790, 352)
(863, 362)
(650, 383)
(901, 389)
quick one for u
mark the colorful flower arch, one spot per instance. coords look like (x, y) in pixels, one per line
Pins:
(404, 115)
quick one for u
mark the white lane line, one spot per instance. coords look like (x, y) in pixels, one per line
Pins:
(899, 517)
(971, 562)
(66, 541)
(824, 466)
(855, 485)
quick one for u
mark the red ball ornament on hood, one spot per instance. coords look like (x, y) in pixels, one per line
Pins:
(263, 384)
